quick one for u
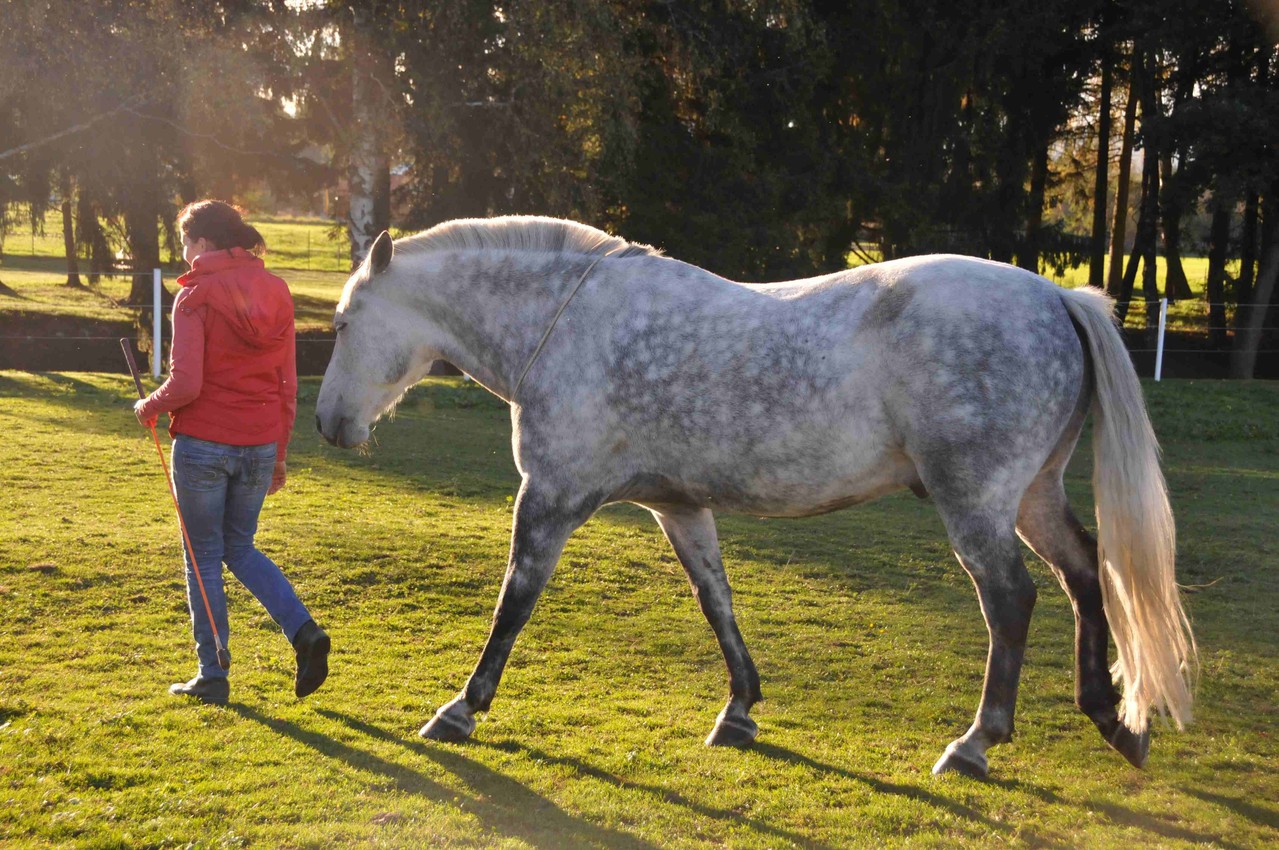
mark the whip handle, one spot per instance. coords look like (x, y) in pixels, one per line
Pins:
(133, 367)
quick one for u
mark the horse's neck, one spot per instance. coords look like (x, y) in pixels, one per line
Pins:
(490, 310)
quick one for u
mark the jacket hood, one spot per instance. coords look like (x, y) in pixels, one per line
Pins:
(254, 302)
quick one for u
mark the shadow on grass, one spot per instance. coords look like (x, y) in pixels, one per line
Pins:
(469, 771)
(879, 786)
(501, 804)
(1115, 812)
(1146, 821)
(1157, 825)
(1259, 815)
(313, 309)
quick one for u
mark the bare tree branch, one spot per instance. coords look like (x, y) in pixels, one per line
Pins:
(126, 106)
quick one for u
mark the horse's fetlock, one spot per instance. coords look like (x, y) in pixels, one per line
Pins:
(477, 701)
(1098, 705)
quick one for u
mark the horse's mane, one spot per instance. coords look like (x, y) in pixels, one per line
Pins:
(521, 233)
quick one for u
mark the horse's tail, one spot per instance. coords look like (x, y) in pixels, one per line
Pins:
(1136, 536)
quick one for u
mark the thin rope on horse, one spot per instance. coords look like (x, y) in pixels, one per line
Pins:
(516, 391)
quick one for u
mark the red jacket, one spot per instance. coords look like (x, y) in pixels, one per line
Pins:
(233, 369)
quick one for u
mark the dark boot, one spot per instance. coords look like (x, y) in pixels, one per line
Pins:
(210, 691)
(312, 647)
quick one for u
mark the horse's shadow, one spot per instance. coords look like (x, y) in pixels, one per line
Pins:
(505, 806)
(1124, 816)
(1260, 815)
(479, 777)
(501, 804)
(457, 763)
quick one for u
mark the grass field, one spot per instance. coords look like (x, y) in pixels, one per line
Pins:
(313, 244)
(866, 632)
(39, 282)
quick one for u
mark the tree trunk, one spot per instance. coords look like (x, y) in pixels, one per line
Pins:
(1243, 359)
(1120, 233)
(1176, 287)
(1097, 257)
(142, 224)
(1247, 249)
(68, 236)
(142, 229)
(1123, 293)
(368, 168)
(1143, 248)
(1150, 195)
(1218, 250)
(89, 232)
(1149, 283)
(1028, 256)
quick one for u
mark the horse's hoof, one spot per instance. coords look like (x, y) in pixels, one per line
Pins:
(1130, 745)
(453, 722)
(961, 757)
(732, 730)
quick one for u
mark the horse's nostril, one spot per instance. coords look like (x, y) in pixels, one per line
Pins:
(318, 426)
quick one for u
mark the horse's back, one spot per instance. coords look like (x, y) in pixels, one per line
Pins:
(801, 397)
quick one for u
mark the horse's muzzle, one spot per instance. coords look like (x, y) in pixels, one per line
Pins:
(340, 436)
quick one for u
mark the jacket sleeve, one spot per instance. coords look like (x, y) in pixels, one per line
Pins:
(288, 395)
(186, 362)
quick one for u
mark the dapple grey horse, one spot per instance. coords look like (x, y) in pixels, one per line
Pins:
(634, 377)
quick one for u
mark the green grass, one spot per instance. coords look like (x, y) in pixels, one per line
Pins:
(306, 252)
(39, 284)
(866, 632)
(304, 243)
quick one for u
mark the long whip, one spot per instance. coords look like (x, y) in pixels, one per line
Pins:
(224, 657)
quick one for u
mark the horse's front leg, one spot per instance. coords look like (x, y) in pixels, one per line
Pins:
(692, 534)
(542, 525)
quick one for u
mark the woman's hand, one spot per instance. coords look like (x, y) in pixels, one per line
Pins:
(278, 477)
(137, 411)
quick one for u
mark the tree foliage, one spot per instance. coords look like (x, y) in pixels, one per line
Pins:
(760, 138)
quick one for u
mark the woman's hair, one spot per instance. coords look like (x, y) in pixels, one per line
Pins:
(220, 223)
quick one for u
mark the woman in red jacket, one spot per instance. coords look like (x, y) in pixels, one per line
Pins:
(231, 397)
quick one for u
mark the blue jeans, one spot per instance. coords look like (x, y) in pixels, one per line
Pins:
(221, 489)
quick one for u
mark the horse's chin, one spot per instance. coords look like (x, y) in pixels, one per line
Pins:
(347, 435)
(359, 440)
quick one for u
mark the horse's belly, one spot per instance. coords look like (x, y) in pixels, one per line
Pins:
(794, 489)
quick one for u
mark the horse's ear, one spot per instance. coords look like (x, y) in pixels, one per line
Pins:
(380, 254)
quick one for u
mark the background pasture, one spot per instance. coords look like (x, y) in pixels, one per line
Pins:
(308, 253)
(866, 632)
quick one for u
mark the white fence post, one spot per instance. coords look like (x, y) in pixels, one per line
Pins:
(1159, 346)
(156, 318)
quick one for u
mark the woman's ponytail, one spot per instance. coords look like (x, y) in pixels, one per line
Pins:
(249, 239)
(222, 224)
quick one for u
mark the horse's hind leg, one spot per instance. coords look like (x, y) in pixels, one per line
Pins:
(692, 534)
(1047, 524)
(986, 544)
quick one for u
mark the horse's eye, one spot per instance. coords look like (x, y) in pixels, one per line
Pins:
(338, 326)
